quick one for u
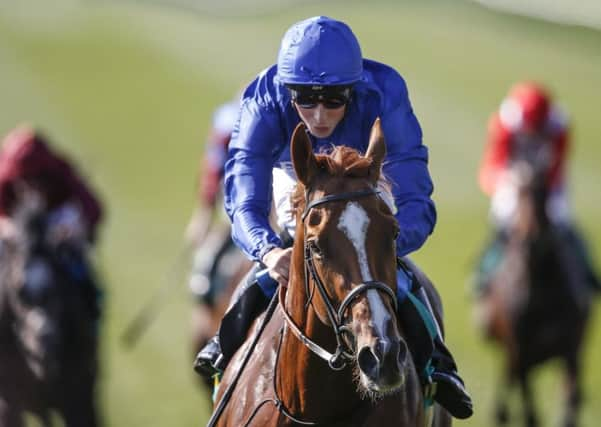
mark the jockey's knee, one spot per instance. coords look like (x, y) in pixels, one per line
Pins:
(404, 280)
(418, 279)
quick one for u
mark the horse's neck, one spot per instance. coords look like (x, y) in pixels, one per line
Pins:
(533, 244)
(306, 384)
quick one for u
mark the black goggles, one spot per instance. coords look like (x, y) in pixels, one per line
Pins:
(331, 97)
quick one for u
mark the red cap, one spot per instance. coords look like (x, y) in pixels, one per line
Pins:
(533, 101)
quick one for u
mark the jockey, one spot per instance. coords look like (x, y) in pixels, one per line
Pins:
(224, 119)
(322, 79)
(211, 243)
(527, 124)
(29, 168)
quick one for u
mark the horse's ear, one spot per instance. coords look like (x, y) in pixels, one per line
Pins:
(301, 151)
(376, 149)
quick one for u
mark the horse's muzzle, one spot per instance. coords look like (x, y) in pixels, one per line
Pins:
(383, 364)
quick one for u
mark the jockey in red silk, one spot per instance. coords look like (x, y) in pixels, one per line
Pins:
(527, 123)
(322, 79)
(526, 120)
(71, 210)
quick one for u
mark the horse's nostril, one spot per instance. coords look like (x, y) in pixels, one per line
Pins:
(368, 362)
(403, 352)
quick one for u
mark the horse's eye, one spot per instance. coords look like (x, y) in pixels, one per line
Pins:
(314, 217)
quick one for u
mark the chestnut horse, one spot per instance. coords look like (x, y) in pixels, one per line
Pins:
(48, 337)
(333, 351)
(537, 304)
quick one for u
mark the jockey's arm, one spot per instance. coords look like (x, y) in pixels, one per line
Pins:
(406, 166)
(207, 212)
(82, 195)
(495, 157)
(212, 166)
(560, 154)
(248, 179)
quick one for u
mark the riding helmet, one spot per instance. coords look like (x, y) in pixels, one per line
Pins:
(527, 106)
(320, 51)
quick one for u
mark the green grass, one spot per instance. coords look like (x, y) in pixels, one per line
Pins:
(127, 88)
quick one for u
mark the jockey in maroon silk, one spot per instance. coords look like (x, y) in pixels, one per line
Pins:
(27, 159)
(70, 211)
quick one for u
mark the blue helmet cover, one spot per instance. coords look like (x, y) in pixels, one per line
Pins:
(320, 51)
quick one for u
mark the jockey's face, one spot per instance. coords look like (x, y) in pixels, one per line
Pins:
(321, 108)
(321, 121)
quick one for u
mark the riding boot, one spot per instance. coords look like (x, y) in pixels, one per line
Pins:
(248, 301)
(432, 358)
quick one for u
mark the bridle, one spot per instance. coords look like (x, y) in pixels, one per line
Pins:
(343, 353)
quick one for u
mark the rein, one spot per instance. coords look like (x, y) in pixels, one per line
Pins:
(343, 354)
(232, 385)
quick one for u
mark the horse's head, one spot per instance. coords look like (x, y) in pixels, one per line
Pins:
(530, 182)
(345, 248)
(532, 161)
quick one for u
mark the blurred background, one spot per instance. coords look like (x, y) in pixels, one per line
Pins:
(127, 89)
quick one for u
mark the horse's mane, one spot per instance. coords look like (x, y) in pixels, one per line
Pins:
(343, 161)
(340, 161)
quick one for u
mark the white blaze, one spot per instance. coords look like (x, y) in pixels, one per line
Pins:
(353, 223)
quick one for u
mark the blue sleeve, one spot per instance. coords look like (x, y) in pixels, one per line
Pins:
(406, 166)
(248, 177)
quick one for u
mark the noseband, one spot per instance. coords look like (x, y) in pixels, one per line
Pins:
(343, 354)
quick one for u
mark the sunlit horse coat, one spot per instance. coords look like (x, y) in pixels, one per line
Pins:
(260, 142)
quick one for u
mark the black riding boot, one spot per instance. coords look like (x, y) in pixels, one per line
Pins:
(248, 301)
(426, 342)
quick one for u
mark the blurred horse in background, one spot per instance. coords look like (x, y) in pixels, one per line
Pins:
(537, 303)
(285, 373)
(213, 280)
(48, 331)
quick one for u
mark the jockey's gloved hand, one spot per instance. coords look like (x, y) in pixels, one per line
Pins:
(277, 261)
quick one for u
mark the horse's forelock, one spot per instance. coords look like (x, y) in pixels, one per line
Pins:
(344, 161)
(340, 161)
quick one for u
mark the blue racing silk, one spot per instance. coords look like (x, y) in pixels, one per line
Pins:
(261, 141)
